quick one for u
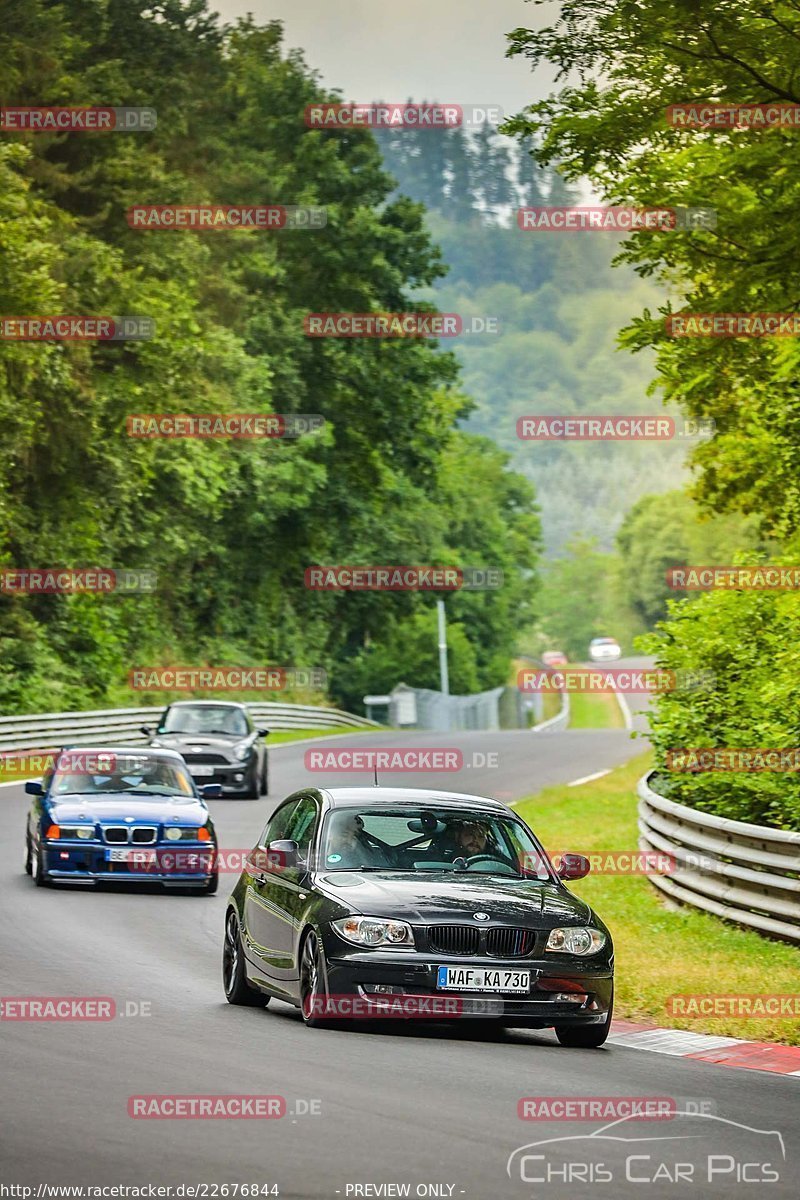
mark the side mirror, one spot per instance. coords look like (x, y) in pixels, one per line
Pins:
(282, 855)
(211, 791)
(573, 866)
(34, 788)
(146, 730)
(263, 732)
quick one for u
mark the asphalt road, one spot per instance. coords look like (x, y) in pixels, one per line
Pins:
(398, 1105)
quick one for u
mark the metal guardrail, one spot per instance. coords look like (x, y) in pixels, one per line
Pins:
(560, 720)
(745, 873)
(122, 726)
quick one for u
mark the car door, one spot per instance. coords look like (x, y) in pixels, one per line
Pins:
(283, 894)
(259, 924)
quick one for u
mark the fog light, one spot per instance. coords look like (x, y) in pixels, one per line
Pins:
(382, 989)
(568, 997)
(238, 777)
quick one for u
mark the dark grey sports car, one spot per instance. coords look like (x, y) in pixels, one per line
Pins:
(219, 744)
(377, 901)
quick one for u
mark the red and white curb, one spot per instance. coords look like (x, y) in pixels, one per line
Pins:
(708, 1047)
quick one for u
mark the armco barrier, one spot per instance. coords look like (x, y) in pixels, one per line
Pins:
(122, 726)
(745, 873)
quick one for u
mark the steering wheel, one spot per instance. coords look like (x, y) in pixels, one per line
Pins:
(492, 858)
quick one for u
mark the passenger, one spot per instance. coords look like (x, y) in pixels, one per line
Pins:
(350, 846)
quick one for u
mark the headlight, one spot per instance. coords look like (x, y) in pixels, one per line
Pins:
(374, 931)
(243, 751)
(580, 939)
(82, 832)
(176, 834)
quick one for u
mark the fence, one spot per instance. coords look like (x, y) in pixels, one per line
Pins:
(422, 708)
(745, 873)
(122, 726)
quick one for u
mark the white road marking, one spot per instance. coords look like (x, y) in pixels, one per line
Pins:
(589, 778)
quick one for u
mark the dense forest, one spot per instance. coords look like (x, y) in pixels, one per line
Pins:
(228, 527)
(560, 306)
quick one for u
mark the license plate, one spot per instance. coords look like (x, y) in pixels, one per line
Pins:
(130, 854)
(200, 770)
(482, 979)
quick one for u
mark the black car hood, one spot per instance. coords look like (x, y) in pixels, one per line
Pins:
(437, 898)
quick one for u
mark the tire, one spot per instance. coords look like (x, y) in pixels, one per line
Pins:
(313, 984)
(28, 856)
(264, 782)
(234, 980)
(212, 886)
(586, 1037)
(253, 791)
(40, 876)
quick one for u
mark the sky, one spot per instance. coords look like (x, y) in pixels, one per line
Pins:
(446, 50)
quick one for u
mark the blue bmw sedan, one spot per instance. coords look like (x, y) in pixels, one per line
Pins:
(121, 815)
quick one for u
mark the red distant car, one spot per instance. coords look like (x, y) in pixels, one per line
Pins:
(554, 658)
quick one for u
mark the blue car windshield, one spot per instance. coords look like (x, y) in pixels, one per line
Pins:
(143, 777)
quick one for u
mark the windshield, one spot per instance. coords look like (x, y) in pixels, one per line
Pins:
(133, 774)
(431, 839)
(206, 718)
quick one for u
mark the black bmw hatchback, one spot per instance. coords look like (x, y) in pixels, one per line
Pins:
(375, 901)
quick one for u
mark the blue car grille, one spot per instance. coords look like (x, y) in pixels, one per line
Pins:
(138, 835)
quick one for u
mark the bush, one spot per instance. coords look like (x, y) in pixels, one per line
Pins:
(749, 639)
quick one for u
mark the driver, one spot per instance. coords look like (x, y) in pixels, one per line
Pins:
(472, 838)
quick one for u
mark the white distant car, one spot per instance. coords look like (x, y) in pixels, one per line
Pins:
(604, 650)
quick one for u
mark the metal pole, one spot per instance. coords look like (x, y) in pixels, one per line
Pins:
(443, 673)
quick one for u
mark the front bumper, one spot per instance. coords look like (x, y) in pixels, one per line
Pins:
(162, 863)
(415, 974)
(235, 777)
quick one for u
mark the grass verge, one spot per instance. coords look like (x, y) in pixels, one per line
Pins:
(594, 710)
(280, 736)
(660, 950)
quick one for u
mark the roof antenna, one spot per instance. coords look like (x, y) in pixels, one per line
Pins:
(375, 783)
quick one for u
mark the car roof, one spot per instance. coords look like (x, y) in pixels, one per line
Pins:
(207, 704)
(139, 751)
(350, 797)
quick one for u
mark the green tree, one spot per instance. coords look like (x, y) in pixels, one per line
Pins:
(620, 66)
